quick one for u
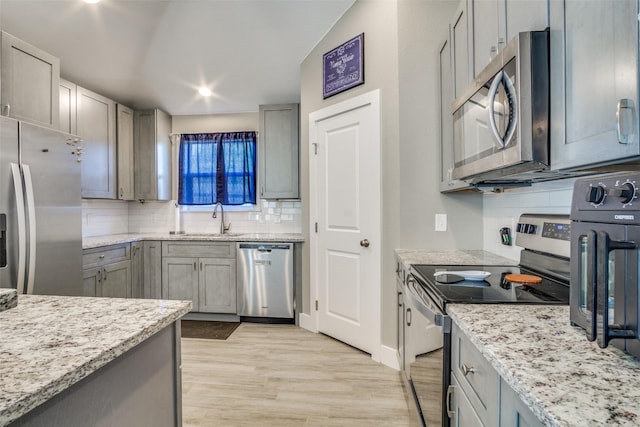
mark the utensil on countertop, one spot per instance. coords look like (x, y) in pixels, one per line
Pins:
(475, 275)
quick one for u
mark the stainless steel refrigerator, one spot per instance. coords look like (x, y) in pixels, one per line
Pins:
(40, 211)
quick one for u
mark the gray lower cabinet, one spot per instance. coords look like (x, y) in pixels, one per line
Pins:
(202, 272)
(30, 82)
(478, 396)
(152, 266)
(513, 411)
(97, 128)
(279, 141)
(107, 271)
(137, 270)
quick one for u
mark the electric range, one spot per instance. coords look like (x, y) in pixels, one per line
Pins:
(544, 260)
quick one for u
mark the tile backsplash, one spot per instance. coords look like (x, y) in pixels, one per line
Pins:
(112, 217)
(504, 209)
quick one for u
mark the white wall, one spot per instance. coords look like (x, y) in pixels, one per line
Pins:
(100, 217)
(378, 21)
(504, 209)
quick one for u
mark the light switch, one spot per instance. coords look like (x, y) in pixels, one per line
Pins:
(441, 222)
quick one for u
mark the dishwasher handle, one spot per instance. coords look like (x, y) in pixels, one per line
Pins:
(261, 247)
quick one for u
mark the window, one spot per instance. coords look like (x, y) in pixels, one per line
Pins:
(217, 167)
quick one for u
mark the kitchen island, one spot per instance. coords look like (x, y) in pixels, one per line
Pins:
(77, 361)
(560, 376)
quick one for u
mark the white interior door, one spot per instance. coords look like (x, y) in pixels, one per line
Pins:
(345, 203)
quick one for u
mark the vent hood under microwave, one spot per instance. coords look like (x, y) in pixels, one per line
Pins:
(501, 122)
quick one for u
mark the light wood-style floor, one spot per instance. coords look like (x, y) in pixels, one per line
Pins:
(282, 375)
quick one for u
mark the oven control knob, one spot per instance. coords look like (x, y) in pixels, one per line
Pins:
(626, 192)
(596, 194)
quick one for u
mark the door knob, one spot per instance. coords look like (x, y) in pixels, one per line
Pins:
(364, 243)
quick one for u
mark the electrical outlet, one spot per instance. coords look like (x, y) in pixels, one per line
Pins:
(441, 222)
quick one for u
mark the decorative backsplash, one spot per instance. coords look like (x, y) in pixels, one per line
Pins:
(100, 217)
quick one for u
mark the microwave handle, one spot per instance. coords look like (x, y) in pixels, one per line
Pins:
(607, 331)
(510, 91)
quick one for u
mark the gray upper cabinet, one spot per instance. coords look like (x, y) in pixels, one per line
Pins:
(496, 22)
(447, 183)
(97, 128)
(461, 53)
(68, 108)
(30, 82)
(278, 152)
(594, 89)
(152, 155)
(124, 125)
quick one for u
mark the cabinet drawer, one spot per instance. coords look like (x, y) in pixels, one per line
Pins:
(199, 249)
(105, 255)
(476, 376)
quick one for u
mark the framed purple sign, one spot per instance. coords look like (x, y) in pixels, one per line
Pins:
(343, 67)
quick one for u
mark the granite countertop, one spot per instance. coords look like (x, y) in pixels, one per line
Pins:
(451, 257)
(8, 298)
(113, 239)
(564, 379)
(50, 343)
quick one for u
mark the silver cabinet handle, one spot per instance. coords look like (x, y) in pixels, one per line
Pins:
(625, 121)
(194, 266)
(364, 243)
(104, 273)
(101, 257)
(408, 317)
(121, 192)
(450, 391)
(6, 110)
(200, 265)
(466, 370)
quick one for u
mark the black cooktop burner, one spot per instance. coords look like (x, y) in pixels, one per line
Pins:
(494, 289)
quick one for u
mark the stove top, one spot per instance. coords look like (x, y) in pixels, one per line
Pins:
(446, 289)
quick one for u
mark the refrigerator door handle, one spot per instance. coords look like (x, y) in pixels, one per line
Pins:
(31, 215)
(22, 226)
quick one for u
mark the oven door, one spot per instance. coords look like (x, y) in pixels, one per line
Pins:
(427, 338)
(604, 283)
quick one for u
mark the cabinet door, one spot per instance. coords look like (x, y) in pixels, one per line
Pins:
(460, 49)
(91, 278)
(463, 413)
(124, 125)
(152, 155)
(217, 285)
(488, 31)
(279, 140)
(447, 183)
(68, 107)
(137, 270)
(96, 127)
(526, 15)
(116, 280)
(180, 279)
(594, 102)
(152, 266)
(513, 411)
(30, 83)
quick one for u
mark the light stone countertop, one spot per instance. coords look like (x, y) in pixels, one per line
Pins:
(564, 379)
(8, 298)
(50, 343)
(451, 257)
(113, 239)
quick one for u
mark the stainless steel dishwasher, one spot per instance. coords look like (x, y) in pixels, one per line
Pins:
(265, 280)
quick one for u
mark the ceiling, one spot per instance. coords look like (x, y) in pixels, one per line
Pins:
(156, 53)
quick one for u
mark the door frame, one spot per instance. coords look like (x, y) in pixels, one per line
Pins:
(311, 322)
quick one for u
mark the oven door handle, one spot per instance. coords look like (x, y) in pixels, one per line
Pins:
(426, 307)
(592, 284)
(606, 331)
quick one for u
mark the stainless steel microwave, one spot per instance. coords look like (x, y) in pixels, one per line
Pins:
(501, 122)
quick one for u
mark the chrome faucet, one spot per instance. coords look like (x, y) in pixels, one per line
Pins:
(223, 227)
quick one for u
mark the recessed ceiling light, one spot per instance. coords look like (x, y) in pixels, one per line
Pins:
(91, 1)
(204, 91)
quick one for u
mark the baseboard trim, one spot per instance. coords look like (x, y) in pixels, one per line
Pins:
(308, 322)
(389, 357)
